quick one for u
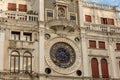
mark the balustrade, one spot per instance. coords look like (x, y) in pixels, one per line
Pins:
(98, 5)
(102, 28)
(19, 16)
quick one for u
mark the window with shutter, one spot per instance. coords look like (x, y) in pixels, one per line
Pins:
(12, 6)
(104, 66)
(119, 64)
(95, 68)
(88, 18)
(101, 45)
(118, 46)
(103, 20)
(92, 44)
(110, 21)
(22, 7)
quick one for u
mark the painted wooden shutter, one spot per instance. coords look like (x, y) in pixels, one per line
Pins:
(92, 44)
(101, 45)
(11, 6)
(104, 66)
(95, 68)
(103, 20)
(118, 46)
(88, 18)
(22, 7)
(110, 21)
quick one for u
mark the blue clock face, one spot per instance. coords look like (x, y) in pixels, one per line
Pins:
(62, 54)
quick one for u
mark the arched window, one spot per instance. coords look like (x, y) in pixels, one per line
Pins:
(27, 62)
(15, 62)
(95, 68)
(104, 66)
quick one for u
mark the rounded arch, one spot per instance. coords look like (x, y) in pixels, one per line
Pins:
(95, 68)
(15, 52)
(15, 61)
(27, 61)
(104, 68)
(27, 53)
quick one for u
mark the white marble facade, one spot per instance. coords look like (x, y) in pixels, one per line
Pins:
(29, 36)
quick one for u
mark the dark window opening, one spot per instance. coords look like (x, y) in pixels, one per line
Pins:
(72, 17)
(15, 35)
(27, 36)
(49, 14)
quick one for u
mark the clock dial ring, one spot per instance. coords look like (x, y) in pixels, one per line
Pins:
(62, 54)
(56, 68)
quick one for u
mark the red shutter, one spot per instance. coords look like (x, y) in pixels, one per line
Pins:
(95, 68)
(118, 46)
(119, 64)
(101, 45)
(103, 20)
(110, 21)
(92, 44)
(104, 66)
(11, 6)
(88, 18)
(22, 7)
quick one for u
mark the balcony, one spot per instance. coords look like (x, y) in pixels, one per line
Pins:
(21, 44)
(18, 16)
(102, 28)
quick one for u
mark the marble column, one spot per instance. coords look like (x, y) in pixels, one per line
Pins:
(41, 39)
(100, 69)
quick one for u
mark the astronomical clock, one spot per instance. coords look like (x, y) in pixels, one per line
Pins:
(62, 55)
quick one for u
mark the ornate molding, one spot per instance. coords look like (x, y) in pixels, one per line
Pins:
(69, 70)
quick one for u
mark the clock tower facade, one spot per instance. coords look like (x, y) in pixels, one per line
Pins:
(60, 38)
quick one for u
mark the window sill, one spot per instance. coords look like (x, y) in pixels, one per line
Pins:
(20, 40)
(98, 48)
(117, 50)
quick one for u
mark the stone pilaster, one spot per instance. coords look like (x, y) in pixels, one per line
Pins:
(85, 55)
(114, 71)
(80, 11)
(41, 53)
(41, 39)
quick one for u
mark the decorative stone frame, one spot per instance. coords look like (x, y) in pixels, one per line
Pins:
(48, 10)
(50, 63)
(75, 14)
